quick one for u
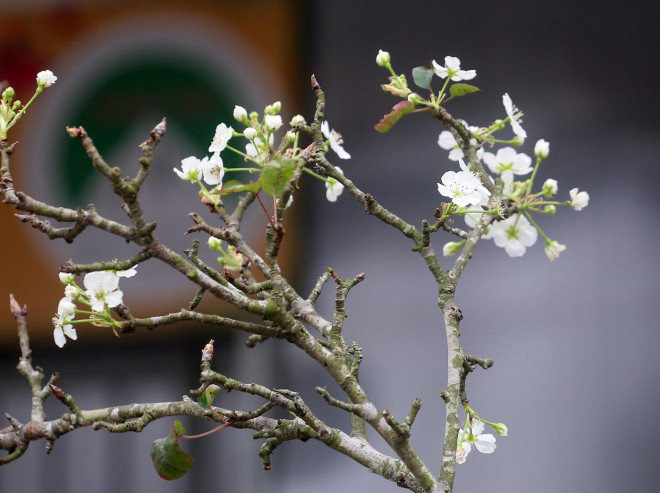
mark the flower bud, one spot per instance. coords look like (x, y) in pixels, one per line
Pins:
(549, 187)
(240, 114)
(16, 106)
(273, 122)
(549, 210)
(383, 58)
(297, 120)
(8, 94)
(66, 278)
(415, 98)
(451, 248)
(215, 244)
(542, 149)
(501, 429)
(518, 140)
(250, 133)
(46, 78)
(290, 136)
(277, 107)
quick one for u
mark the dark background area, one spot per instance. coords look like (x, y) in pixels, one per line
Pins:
(575, 342)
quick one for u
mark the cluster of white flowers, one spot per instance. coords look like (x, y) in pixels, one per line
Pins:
(100, 294)
(210, 169)
(516, 232)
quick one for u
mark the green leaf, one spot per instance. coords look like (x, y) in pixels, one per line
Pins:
(276, 175)
(393, 116)
(170, 460)
(235, 186)
(458, 90)
(206, 399)
(422, 77)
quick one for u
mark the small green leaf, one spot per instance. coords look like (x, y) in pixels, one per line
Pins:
(170, 460)
(206, 399)
(276, 175)
(458, 90)
(393, 116)
(235, 186)
(422, 77)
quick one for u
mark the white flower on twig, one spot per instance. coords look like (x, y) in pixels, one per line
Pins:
(213, 169)
(508, 159)
(102, 289)
(222, 135)
(463, 187)
(579, 200)
(190, 168)
(514, 234)
(333, 187)
(483, 442)
(452, 69)
(66, 311)
(514, 115)
(335, 141)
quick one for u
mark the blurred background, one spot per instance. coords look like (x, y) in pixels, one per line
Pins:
(575, 342)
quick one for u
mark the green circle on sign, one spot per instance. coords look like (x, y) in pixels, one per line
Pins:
(181, 92)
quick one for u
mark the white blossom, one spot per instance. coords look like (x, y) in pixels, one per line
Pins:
(102, 289)
(213, 169)
(250, 133)
(447, 141)
(222, 135)
(483, 442)
(579, 200)
(46, 78)
(508, 159)
(542, 149)
(550, 187)
(190, 168)
(258, 149)
(463, 187)
(297, 120)
(553, 249)
(335, 141)
(65, 313)
(66, 277)
(240, 114)
(70, 291)
(452, 69)
(514, 234)
(273, 122)
(383, 58)
(333, 187)
(514, 116)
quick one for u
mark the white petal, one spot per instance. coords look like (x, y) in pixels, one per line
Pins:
(485, 444)
(514, 248)
(446, 140)
(70, 332)
(452, 63)
(58, 335)
(325, 129)
(508, 104)
(113, 299)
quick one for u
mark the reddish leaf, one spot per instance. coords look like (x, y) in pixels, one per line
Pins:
(393, 116)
